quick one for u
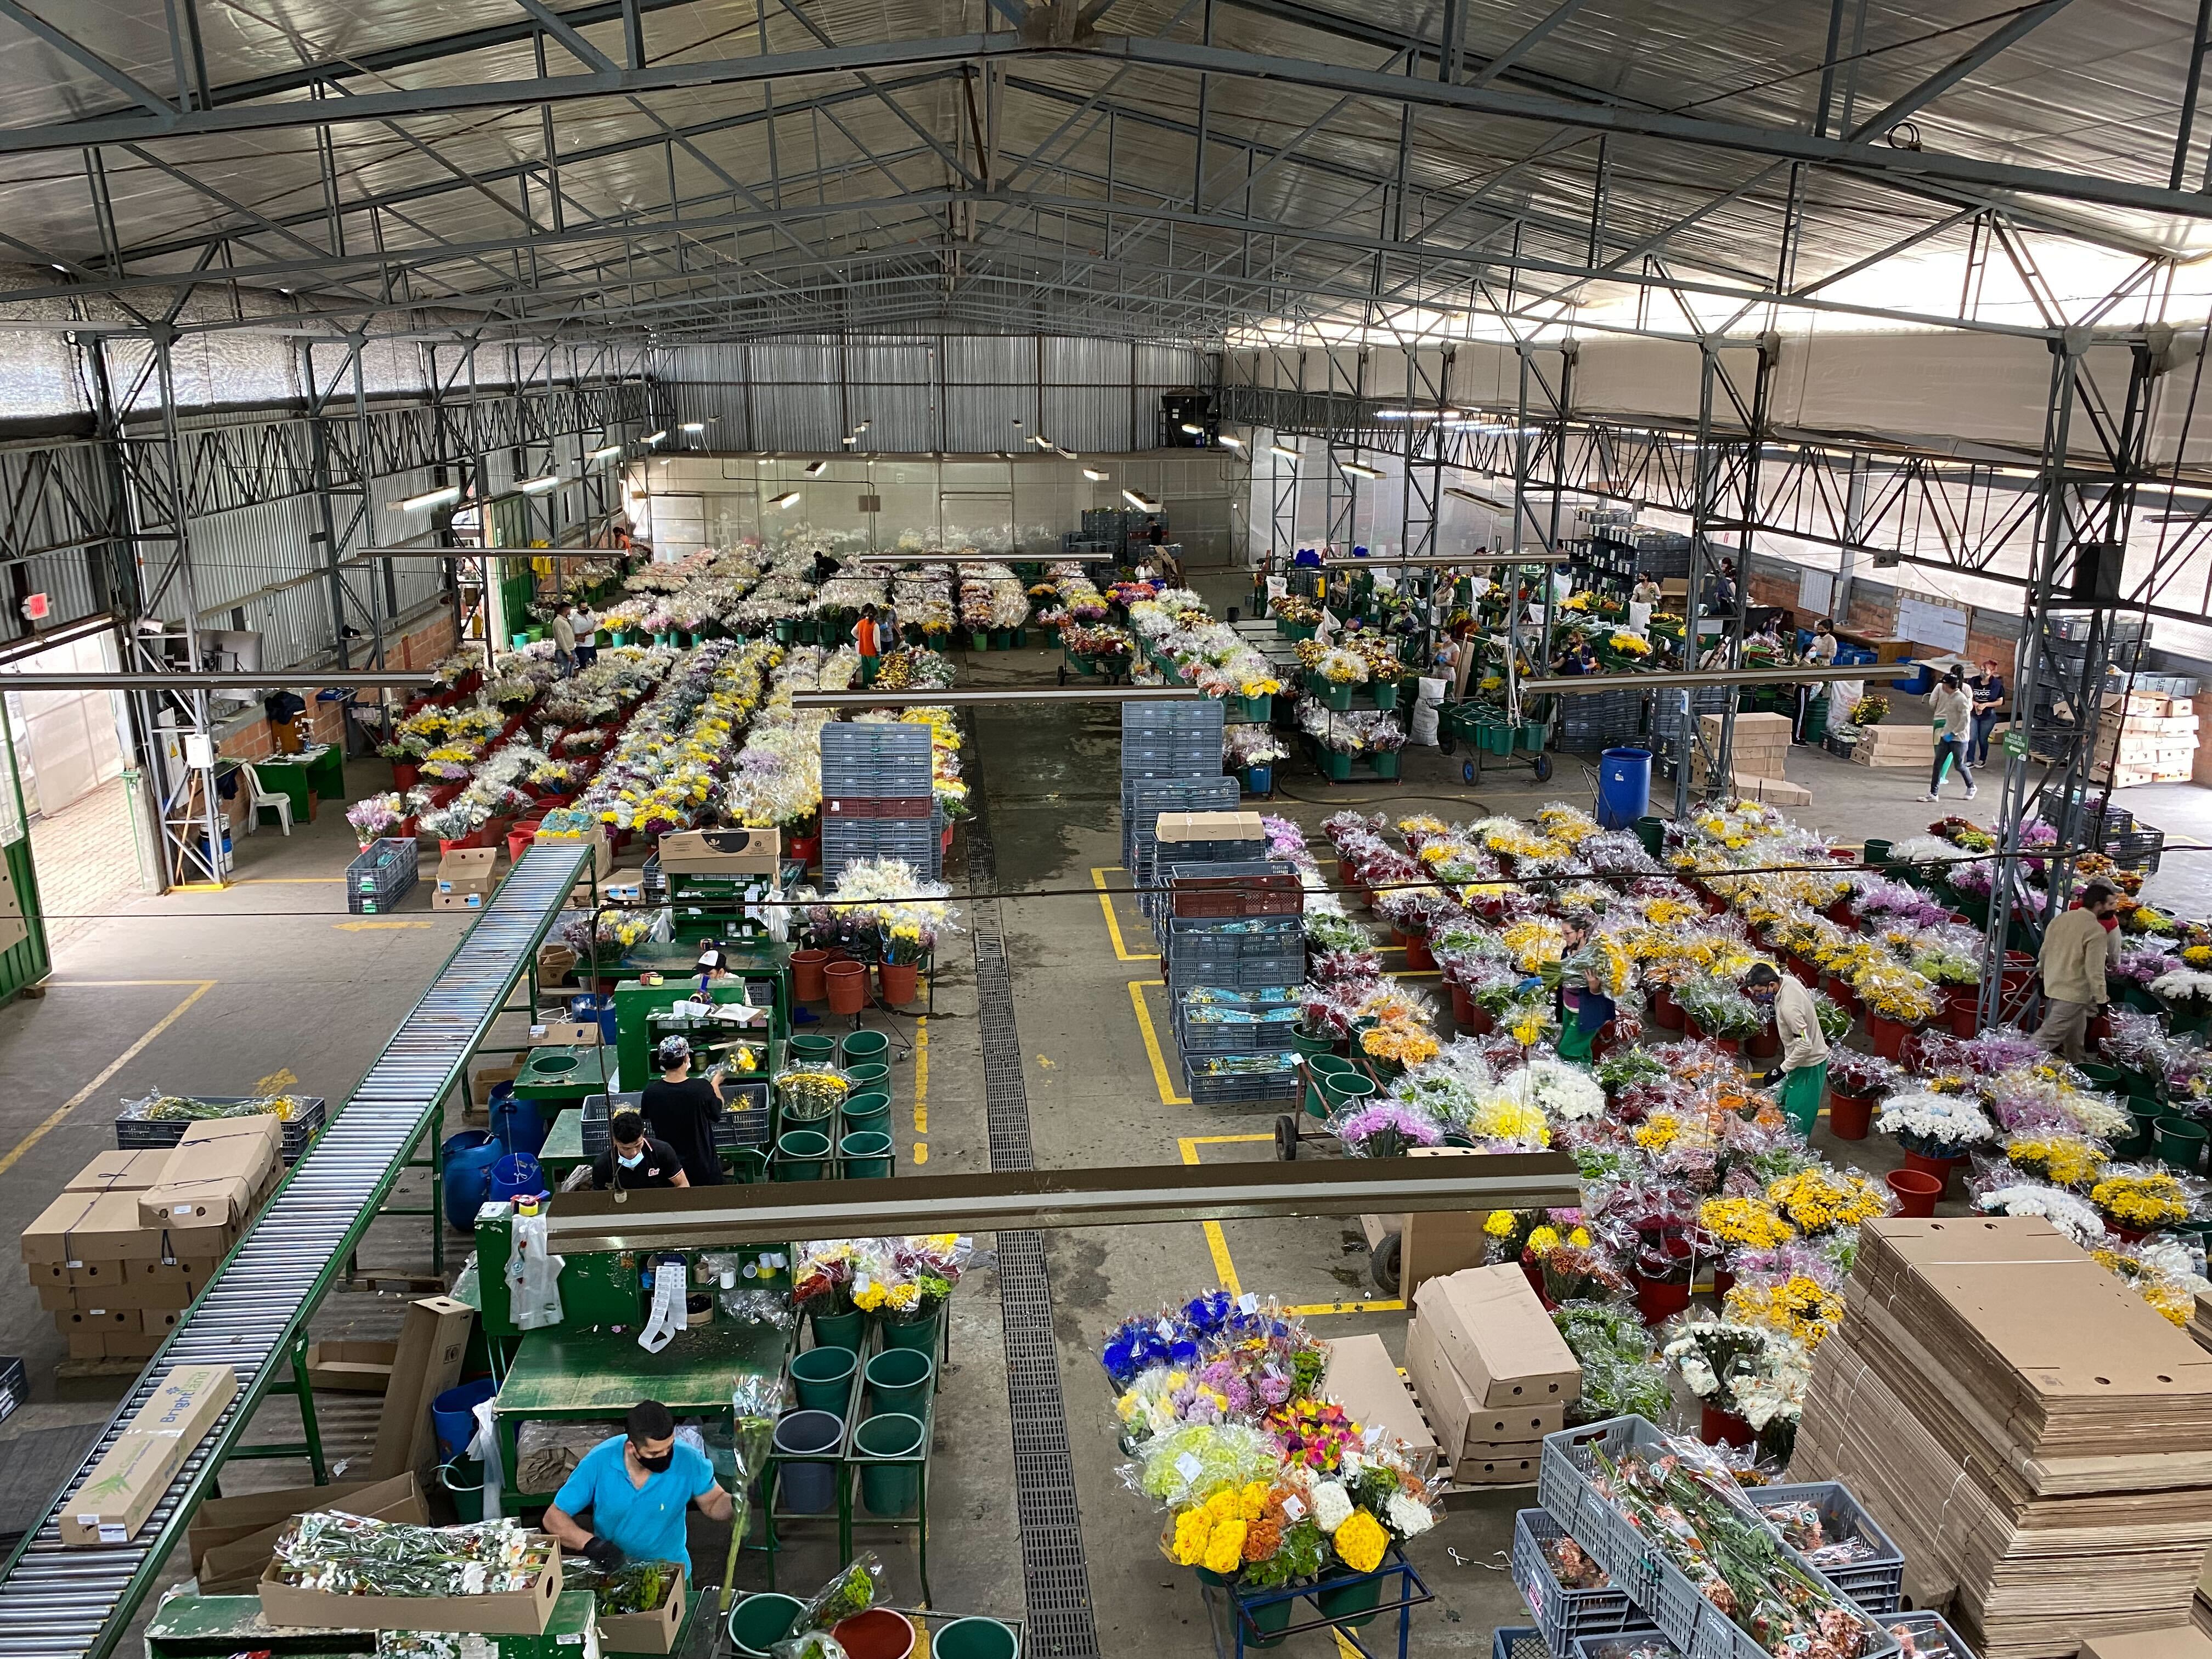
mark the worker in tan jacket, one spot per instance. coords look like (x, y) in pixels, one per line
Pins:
(2077, 948)
(1804, 1045)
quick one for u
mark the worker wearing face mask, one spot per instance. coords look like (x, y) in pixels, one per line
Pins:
(633, 1161)
(637, 1487)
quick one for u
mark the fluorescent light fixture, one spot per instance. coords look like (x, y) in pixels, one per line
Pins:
(1223, 438)
(430, 498)
(1139, 503)
(791, 499)
(695, 425)
(608, 454)
(1067, 454)
(1193, 429)
(817, 468)
(1094, 475)
(537, 486)
(864, 426)
(656, 437)
(1286, 452)
(1358, 469)
(1415, 414)
(1040, 440)
(850, 442)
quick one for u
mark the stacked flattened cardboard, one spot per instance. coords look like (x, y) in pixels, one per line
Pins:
(1895, 745)
(2145, 737)
(466, 877)
(2200, 1320)
(2027, 1429)
(1756, 757)
(120, 1255)
(1493, 1372)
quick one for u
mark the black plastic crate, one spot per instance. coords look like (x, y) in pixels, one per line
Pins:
(2138, 849)
(153, 1135)
(381, 876)
(751, 1123)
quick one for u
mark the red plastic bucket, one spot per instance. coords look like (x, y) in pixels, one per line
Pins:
(1915, 1192)
(847, 986)
(806, 980)
(1849, 1116)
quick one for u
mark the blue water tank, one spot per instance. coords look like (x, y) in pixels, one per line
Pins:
(468, 1157)
(521, 1122)
(1624, 787)
(516, 1176)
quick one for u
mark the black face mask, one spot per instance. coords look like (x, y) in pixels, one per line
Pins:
(655, 1465)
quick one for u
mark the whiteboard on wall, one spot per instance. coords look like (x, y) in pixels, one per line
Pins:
(1816, 591)
(1925, 621)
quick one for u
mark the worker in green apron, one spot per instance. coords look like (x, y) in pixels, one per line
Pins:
(1804, 1067)
(1584, 1009)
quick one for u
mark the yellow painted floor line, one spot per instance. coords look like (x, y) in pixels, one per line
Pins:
(1323, 1309)
(1161, 1075)
(920, 1089)
(1216, 1240)
(202, 988)
(1121, 952)
(290, 881)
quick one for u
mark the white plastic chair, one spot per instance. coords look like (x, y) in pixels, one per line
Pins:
(257, 798)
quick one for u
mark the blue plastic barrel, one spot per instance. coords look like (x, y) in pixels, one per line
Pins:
(468, 1158)
(1262, 778)
(1624, 786)
(516, 1176)
(519, 1123)
(453, 1413)
(1919, 683)
(600, 1008)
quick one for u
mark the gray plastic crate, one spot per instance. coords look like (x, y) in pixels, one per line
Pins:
(1876, 1583)
(1932, 1638)
(384, 874)
(1197, 1038)
(1701, 1631)
(1239, 1088)
(745, 1120)
(1562, 1614)
(1624, 1644)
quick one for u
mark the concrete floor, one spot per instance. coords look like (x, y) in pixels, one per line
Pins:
(271, 985)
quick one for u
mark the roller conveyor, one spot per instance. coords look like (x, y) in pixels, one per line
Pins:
(79, 1601)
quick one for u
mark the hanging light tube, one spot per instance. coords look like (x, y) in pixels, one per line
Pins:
(608, 454)
(1286, 452)
(538, 486)
(430, 498)
(1223, 438)
(817, 468)
(1359, 469)
(1139, 503)
(1094, 475)
(791, 499)
(657, 437)
(1193, 429)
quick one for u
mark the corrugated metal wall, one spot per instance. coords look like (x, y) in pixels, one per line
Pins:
(947, 394)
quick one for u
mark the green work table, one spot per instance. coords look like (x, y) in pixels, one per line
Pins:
(312, 774)
(563, 1075)
(219, 1626)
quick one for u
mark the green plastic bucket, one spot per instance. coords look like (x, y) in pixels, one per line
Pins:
(840, 1330)
(1876, 852)
(760, 1621)
(975, 1638)
(823, 1379)
(2104, 1078)
(2144, 1112)
(866, 1155)
(1319, 1069)
(1343, 1091)
(2181, 1144)
(889, 1488)
(916, 1333)
(869, 1076)
(800, 1154)
(1361, 1593)
(869, 1114)
(809, 1048)
(865, 1047)
(900, 1380)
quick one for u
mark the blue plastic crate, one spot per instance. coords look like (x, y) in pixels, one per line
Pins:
(1562, 1614)
(1876, 1583)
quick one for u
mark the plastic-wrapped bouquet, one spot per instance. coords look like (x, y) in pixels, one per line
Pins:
(342, 1554)
(1935, 1125)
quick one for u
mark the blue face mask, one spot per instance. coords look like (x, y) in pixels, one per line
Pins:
(632, 1160)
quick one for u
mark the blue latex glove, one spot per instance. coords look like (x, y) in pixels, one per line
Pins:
(1533, 982)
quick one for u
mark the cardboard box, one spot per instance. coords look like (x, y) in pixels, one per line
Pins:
(2175, 1642)
(469, 870)
(1361, 1377)
(118, 1172)
(140, 1295)
(114, 1500)
(565, 1033)
(721, 853)
(555, 963)
(217, 1173)
(1433, 1243)
(460, 901)
(1443, 1396)
(352, 1367)
(646, 1632)
(69, 1321)
(157, 1321)
(74, 1276)
(84, 1227)
(602, 860)
(1209, 826)
(432, 1341)
(511, 1613)
(1498, 1339)
(232, 1539)
(624, 889)
(1505, 1466)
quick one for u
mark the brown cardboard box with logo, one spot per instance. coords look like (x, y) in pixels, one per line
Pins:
(469, 870)
(460, 901)
(1496, 1336)
(505, 1613)
(646, 1632)
(114, 1500)
(232, 1539)
(721, 853)
(217, 1173)
(432, 1340)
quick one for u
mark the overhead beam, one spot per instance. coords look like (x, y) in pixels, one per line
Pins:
(1015, 1200)
(1188, 57)
(259, 680)
(1661, 679)
(1028, 693)
(85, 57)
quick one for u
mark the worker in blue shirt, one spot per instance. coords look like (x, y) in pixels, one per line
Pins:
(637, 1487)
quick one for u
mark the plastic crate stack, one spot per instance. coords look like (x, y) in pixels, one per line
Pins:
(1821, 1526)
(1666, 719)
(381, 876)
(1601, 719)
(1170, 763)
(877, 799)
(1232, 941)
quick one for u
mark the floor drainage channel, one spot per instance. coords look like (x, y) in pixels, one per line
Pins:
(1055, 1577)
